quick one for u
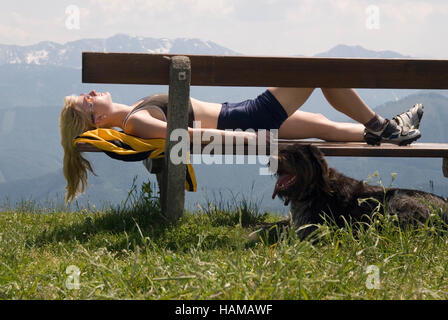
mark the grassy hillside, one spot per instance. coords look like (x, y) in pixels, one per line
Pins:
(130, 252)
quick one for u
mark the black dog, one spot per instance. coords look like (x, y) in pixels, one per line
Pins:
(314, 190)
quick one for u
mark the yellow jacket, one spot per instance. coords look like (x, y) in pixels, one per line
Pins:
(121, 146)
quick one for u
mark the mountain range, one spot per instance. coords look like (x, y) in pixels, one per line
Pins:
(47, 53)
(69, 54)
(34, 79)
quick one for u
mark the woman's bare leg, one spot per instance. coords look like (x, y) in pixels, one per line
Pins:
(302, 125)
(349, 102)
(291, 98)
(344, 100)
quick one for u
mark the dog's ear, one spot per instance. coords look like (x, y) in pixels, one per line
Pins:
(318, 156)
(321, 166)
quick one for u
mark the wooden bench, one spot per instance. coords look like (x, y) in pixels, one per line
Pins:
(179, 72)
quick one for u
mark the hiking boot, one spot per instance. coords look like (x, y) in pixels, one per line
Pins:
(410, 119)
(392, 132)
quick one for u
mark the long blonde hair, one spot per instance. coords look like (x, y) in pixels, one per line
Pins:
(73, 122)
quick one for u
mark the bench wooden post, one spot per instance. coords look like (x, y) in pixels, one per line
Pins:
(173, 185)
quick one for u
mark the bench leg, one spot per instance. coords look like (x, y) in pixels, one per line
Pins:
(173, 184)
(156, 167)
(445, 167)
(159, 177)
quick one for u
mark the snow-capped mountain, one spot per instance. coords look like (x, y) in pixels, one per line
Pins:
(69, 54)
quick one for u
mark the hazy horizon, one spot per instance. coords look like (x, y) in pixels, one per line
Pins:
(411, 27)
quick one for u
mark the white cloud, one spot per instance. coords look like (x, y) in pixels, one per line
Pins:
(216, 7)
(13, 33)
(35, 24)
(130, 12)
(409, 12)
(155, 7)
(266, 27)
(402, 11)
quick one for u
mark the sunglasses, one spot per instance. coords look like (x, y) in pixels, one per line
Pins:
(90, 101)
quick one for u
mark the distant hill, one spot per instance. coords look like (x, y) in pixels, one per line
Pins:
(345, 51)
(434, 125)
(373, 97)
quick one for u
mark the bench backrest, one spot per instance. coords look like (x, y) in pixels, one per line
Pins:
(208, 70)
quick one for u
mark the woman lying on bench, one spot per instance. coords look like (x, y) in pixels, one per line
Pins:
(276, 108)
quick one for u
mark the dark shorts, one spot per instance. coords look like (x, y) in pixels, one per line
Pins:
(263, 112)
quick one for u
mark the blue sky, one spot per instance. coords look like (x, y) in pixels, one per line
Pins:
(256, 27)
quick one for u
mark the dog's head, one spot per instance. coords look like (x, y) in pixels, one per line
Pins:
(302, 169)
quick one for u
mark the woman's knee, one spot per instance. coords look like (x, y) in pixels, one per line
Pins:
(320, 118)
(291, 98)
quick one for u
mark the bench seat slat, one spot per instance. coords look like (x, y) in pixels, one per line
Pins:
(347, 149)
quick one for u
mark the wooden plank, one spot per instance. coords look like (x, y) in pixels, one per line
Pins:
(359, 149)
(172, 185)
(207, 70)
(347, 149)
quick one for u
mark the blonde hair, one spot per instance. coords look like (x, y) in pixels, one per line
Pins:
(73, 122)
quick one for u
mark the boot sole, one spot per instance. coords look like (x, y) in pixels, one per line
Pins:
(407, 142)
(401, 143)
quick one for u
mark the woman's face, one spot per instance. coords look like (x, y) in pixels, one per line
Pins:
(94, 103)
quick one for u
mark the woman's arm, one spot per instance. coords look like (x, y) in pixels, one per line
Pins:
(147, 127)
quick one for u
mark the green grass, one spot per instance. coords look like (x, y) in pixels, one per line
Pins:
(131, 252)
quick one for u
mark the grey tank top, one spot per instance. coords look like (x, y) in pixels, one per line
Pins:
(160, 102)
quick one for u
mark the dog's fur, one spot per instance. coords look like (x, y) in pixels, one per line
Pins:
(314, 190)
